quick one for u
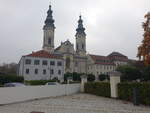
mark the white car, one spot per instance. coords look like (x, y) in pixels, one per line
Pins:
(13, 84)
(52, 83)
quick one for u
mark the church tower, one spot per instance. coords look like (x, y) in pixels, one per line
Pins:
(49, 30)
(80, 38)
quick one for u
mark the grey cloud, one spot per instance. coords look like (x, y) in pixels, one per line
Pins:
(117, 25)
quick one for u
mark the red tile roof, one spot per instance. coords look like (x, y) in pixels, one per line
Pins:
(58, 48)
(103, 60)
(116, 56)
(44, 54)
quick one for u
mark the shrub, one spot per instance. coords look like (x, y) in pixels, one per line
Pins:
(125, 91)
(75, 76)
(98, 88)
(38, 82)
(56, 79)
(146, 74)
(103, 77)
(90, 77)
(71, 82)
(10, 78)
(129, 73)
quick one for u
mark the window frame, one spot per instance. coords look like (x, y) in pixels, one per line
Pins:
(44, 72)
(52, 63)
(35, 63)
(59, 63)
(28, 71)
(52, 71)
(36, 71)
(59, 72)
(49, 40)
(44, 61)
(26, 61)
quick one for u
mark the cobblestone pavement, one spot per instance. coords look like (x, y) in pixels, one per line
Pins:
(79, 103)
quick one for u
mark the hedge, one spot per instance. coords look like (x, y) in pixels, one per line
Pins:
(125, 91)
(38, 82)
(10, 78)
(98, 88)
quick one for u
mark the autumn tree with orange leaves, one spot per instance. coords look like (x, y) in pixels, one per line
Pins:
(144, 48)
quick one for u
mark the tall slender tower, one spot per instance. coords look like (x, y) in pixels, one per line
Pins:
(49, 30)
(80, 38)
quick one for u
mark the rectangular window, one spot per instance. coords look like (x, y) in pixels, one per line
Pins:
(59, 63)
(36, 71)
(76, 64)
(59, 72)
(44, 71)
(28, 61)
(44, 62)
(52, 71)
(52, 63)
(27, 71)
(36, 62)
(49, 41)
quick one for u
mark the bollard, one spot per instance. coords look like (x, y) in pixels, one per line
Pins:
(136, 96)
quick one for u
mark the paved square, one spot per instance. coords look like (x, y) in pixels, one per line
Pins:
(78, 103)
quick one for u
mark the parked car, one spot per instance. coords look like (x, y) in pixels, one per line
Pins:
(52, 83)
(13, 84)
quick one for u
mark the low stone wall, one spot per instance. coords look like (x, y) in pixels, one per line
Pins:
(19, 94)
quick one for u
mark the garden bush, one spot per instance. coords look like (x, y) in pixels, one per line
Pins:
(129, 73)
(71, 82)
(38, 82)
(90, 77)
(125, 91)
(10, 78)
(75, 76)
(98, 88)
(103, 77)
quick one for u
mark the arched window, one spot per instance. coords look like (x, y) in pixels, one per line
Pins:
(82, 46)
(68, 62)
(49, 41)
(77, 47)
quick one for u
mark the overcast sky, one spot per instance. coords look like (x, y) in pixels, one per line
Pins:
(111, 25)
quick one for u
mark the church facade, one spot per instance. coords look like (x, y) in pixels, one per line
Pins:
(74, 61)
(65, 57)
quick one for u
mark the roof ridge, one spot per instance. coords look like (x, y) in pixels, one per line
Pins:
(44, 54)
(97, 55)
